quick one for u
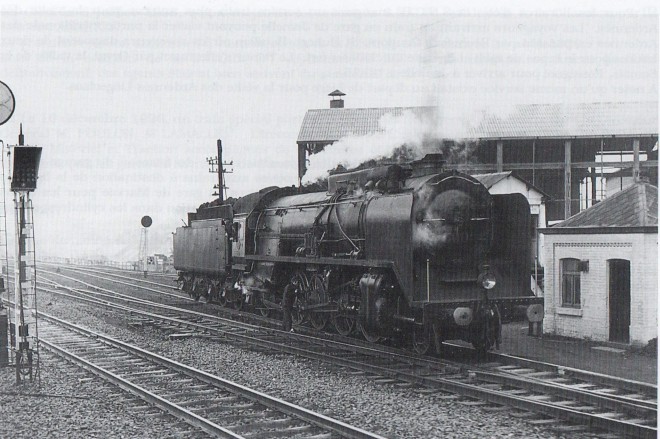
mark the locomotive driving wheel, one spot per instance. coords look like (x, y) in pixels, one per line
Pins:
(344, 320)
(368, 335)
(315, 295)
(299, 284)
(343, 323)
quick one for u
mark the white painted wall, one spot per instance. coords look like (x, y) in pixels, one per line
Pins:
(592, 319)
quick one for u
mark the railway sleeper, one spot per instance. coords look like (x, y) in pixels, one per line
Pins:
(265, 424)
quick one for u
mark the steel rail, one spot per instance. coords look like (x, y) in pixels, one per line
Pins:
(431, 379)
(121, 276)
(280, 405)
(162, 403)
(163, 293)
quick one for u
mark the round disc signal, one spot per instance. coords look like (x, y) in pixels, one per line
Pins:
(146, 221)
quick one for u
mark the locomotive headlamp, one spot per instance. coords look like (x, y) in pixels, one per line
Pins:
(487, 279)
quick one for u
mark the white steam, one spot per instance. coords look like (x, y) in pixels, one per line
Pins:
(407, 129)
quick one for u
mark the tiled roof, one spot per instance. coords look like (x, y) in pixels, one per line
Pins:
(334, 123)
(523, 121)
(634, 206)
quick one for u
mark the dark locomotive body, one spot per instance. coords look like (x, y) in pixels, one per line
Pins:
(394, 250)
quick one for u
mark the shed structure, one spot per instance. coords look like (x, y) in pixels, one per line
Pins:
(601, 270)
(566, 150)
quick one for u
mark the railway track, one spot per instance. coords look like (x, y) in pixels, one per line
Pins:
(207, 402)
(557, 394)
(167, 281)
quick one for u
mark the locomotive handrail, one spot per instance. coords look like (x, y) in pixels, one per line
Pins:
(445, 219)
(322, 260)
(311, 205)
(475, 182)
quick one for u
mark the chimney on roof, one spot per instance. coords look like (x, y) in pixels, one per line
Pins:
(337, 101)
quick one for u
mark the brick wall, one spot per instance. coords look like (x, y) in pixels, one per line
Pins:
(591, 320)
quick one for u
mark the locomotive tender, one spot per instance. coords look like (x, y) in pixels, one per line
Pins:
(398, 250)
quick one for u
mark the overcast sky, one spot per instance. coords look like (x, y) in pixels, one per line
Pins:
(128, 104)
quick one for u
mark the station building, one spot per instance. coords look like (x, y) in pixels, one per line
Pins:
(601, 278)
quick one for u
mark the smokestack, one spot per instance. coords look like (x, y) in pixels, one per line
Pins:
(337, 101)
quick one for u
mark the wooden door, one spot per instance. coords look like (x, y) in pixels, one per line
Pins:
(619, 288)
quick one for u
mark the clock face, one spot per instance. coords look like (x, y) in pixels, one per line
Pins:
(7, 103)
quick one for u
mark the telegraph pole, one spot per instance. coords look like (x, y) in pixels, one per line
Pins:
(216, 165)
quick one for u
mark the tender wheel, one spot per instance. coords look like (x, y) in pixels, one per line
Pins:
(368, 335)
(186, 284)
(421, 339)
(197, 290)
(343, 324)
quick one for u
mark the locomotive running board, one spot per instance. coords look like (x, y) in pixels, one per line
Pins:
(323, 261)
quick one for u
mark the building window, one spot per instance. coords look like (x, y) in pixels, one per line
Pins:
(570, 283)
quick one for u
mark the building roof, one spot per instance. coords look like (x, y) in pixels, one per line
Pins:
(331, 124)
(596, 119)
(490, 180)
(635, 206)
(571, 120)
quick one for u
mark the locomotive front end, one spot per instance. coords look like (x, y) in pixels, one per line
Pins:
(452, 242)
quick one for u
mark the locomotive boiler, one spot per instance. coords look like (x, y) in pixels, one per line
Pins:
(409, 251)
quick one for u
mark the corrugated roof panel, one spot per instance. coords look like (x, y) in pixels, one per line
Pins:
(334, 123)
(523, 121)
(569, 120)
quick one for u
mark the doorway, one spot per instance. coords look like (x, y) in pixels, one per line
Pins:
(619, 291)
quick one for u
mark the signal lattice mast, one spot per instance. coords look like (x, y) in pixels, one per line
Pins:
(23, 327)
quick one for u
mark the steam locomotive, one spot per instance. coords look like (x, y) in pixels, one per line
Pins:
(405, 250)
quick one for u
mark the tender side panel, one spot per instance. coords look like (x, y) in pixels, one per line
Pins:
(200, 247)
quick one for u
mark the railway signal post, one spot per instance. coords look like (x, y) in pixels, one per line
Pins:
(144, 234)
(24, 327)
(7, 105)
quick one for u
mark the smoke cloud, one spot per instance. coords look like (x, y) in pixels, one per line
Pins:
(406, 137)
